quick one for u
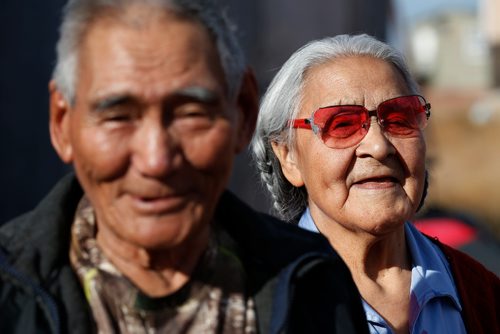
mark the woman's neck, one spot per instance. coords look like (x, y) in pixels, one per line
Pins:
(381, 268)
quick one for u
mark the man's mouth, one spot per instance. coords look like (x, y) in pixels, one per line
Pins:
(147, 204)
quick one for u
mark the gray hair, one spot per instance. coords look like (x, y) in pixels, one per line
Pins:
(281, 102)
(78, 15)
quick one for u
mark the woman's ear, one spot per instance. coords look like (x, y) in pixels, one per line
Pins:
(59, 124)
(288, 163)
(247, 104)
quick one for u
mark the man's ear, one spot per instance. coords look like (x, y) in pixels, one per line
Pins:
(248, 106)
(59, 124)
(288, 164)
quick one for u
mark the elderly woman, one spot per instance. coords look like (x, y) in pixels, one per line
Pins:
(340, 146)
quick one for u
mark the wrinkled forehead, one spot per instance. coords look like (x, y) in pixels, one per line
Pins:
(355, 80)
(150, 58)
(140, 16)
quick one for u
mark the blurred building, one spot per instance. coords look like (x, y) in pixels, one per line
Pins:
(453, 47)
(489, 10)
(448, 50)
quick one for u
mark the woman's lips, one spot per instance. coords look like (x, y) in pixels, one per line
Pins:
(377, 182)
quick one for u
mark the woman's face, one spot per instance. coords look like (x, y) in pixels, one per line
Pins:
(372, 186)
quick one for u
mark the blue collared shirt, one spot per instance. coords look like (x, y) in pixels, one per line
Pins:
(434, 303)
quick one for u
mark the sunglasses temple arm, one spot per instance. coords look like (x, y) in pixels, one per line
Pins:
(303, 123)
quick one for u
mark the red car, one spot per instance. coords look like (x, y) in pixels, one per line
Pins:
(462, 232)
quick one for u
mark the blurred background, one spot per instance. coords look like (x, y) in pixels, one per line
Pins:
(453, 47)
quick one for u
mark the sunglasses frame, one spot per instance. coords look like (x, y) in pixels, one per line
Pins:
(308, 123)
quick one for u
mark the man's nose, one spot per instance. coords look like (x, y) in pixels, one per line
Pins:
(375, 143)
(153, 148)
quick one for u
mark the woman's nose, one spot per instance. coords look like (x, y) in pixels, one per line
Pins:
(375, 143)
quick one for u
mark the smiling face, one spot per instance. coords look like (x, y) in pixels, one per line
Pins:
(373, 186)
(152, 133)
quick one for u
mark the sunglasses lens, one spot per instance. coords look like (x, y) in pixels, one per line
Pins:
(403, 116)
(341, 126)
(345, 126)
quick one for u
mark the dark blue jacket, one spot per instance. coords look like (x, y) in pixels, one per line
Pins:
(300, 285)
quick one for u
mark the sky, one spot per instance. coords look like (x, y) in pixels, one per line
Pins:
(414, 9)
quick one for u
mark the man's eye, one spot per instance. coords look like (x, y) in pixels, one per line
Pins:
(193, 110)
(194, 113)
(116, 109)
(193, 117)
(118, 118)
(118, 113)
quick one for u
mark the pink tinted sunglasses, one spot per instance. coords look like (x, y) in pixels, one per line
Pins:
(343, 126)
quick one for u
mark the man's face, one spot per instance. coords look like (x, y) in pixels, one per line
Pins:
(152, 134)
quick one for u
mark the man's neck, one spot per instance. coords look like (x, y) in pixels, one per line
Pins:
(156, 273)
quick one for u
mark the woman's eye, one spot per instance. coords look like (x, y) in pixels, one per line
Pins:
(397, 121)
(343, 121)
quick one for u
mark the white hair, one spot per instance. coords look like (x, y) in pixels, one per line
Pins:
(79, 14)
(281, 102)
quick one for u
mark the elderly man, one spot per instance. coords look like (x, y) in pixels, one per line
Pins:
(150, 102)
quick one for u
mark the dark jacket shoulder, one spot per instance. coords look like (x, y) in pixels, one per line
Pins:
(270, 241)
(38, 288)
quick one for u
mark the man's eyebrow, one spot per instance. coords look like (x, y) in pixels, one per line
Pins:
(110, 101)
(200, 94)
(196, 93)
